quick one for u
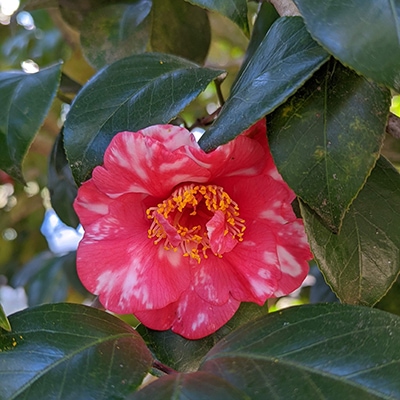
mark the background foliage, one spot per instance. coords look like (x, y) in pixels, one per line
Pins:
(325, 80)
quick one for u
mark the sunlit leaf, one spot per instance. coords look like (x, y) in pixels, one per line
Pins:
(263, 86)
(25, 101)
(324, 351)
(326, 138)
(235, 10)
(130, 94)
(70, 351)
(364, 35)
(362, 262)
(4, 322)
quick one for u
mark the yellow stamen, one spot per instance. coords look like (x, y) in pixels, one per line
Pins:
(193, 200)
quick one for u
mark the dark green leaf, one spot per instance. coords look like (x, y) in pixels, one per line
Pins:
(70, 351)
(185, 355)
(4, 322)
(130, 94)
(194, 386)
(263, 86)
(180, 29)
(364, 35)
(326, 139)
(324, 351)
(61, 184)
(363, 261)
(235, 10)
(266, 16)
(25, 100)
(116, 31)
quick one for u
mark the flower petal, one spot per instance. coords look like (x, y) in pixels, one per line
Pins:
(220, 242)
(137, 163)
(91, 203)
(191, 317)
(117, 261)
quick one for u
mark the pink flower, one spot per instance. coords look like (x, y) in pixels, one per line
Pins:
(179, 237)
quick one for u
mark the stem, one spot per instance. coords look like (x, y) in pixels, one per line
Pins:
(218, 83)
(285, 8)
(164, 368)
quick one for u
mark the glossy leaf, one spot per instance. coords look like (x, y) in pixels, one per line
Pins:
(235, 10)
(266, 16)
(326, 139)
(116, 31)
(181, 29)
(324, 351)
(61, 184)
(363, 261)
(4, 322)
(25, 101)
(262, 86)
(194, 386)
(364, 35)
(70, 351)
(130, 94)
(185, 355)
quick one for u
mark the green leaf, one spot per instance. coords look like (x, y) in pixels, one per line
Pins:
(364, 35)
(262, 86)
(70, 351)
(25, 100)
(61, 184)
(235, 10)
(181, 29)
(116, 31)
(185, 355)
(266, 16)
(194, 386)
(326, 139)
(324, 351)
(4, 322)
(363, 261)
(130, 94)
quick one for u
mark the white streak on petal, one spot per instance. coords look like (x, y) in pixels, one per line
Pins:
(289, 264)
(264, 273)
(168, 167)
(260, 288)
(270, 257)
(200, 320)
(272, 216)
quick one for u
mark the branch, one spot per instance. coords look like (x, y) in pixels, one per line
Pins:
(393, 126)
(285, 8)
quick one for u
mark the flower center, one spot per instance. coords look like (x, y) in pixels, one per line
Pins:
(197, 218)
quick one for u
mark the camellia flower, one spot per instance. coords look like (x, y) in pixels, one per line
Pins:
(180, 238)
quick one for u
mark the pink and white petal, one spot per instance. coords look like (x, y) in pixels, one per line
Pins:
(293, 252)
(134, 163)
(274, 261)
(197, 318)
(255, 263)
(260, 198)
(214, 279)
(241, 157)
(160, 319)
(117, 261)
(173, 137)
(90, 203)
(220, 242)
